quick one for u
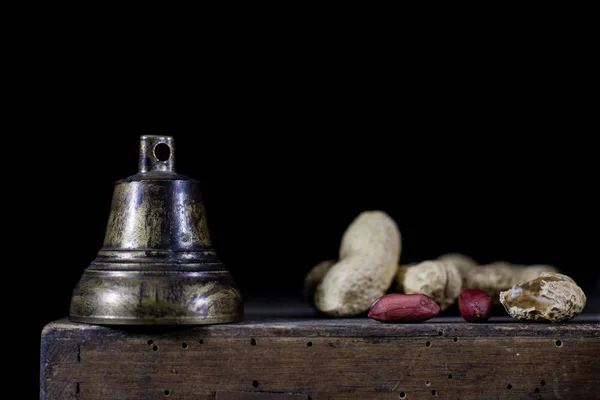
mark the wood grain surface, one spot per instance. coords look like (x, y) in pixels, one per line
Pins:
(315, 358)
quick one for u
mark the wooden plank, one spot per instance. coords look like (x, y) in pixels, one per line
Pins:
(325, 359)
(349, 327)
(259, 396)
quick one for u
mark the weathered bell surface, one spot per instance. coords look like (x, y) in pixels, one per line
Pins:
(157, 265)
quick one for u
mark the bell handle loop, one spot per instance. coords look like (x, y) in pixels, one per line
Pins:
(157, 153)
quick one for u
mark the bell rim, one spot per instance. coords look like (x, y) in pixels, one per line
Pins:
(156, 298)
(108, 320)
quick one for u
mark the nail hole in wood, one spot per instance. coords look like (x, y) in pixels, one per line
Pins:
(309, 344)
(455, 339)
(253, 342)
(427, 383)
(537, 390)
(428, 344)
(402, 395)
(509, 386)
(433, 392)
(184, 345)
(167, 393)
(150, 341)
(201, 341)
(543, 383)
(255, 383)
(558, 343)
(440, 331)
(155, 348)
(449, 376)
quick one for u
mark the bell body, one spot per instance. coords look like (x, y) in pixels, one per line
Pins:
(157, 265)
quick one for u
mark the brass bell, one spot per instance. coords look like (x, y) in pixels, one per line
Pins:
(157, 265)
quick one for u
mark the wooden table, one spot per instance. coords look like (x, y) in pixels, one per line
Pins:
(284, 351)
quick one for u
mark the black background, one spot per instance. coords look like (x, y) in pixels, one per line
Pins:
(499, 164)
